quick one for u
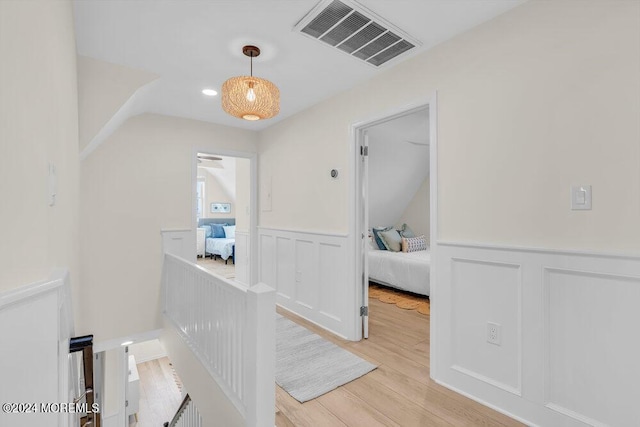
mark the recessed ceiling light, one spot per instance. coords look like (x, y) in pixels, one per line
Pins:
(209, 92)
(126, 343)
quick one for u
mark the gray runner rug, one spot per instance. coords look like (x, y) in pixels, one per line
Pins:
(308, 366)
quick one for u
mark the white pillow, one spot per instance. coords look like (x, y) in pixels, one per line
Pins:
(373, 246)
(230, 231)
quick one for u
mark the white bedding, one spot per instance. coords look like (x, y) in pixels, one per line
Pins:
(220, 246)
(408, 271)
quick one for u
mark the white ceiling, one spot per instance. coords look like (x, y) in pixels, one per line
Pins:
(196, 44)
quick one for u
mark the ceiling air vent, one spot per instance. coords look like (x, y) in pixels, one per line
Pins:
(355, 30)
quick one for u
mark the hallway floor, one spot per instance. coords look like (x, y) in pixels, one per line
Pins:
(398, 393)
(160, 395)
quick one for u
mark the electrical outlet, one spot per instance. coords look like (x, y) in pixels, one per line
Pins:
(493, 333)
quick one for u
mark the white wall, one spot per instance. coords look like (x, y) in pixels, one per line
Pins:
(542, 97)
(133, 185)
(147, 350)
(417, 214)
(103, 88)
(243, 194)
(38, 124)
(215, 193)
(521, 116)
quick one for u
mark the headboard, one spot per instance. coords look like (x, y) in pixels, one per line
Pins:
(204, 221)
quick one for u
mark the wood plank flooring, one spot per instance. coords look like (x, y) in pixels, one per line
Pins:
(218, 266)
(398, 393)
(160, 396)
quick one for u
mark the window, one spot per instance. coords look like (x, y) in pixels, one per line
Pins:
(200, 198)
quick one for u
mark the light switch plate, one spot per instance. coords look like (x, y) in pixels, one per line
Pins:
(581, 197)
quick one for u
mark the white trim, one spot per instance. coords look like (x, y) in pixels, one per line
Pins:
(337, 334)
(253, 209)
(569, 413)
(485, 403)
(506, 387)
(293, 230)
(31, 291)
(550, 251)
(174, 230)
(353, 246)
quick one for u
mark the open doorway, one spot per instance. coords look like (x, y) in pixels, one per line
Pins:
(395, 210)
(223, 214)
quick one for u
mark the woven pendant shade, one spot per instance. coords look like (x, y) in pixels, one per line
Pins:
(264, 102)
(249, 97)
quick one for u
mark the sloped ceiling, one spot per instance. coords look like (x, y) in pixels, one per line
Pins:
(398, 164)
(224, 171)
(195, 44)
(107, 95)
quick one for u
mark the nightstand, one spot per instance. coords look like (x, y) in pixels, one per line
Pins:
(200, 238)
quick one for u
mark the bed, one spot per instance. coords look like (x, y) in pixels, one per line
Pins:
(224, 247)
(408, 271)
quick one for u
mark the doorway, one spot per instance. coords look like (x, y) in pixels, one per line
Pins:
(224, 217)
(362, 235)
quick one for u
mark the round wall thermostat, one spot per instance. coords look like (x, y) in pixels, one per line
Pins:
(334, 173)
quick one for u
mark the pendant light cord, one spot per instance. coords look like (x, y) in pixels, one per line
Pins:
(251, 64)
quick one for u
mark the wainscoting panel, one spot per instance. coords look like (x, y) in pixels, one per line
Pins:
(285, 268)
(592, 331)
(569, 350)
(311, 276)
(242, 261)
(332, 257)
(36, 322)
(306, 274)
(268, 256)
(180, 243)
(487, 292)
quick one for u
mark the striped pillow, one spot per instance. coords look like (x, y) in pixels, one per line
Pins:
(413, 244)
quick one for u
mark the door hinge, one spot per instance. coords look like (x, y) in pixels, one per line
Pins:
(364, 311)
(364, 150)
(126, 403)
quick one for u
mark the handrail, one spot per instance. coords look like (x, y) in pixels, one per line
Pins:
(179, 412)
(230, 328)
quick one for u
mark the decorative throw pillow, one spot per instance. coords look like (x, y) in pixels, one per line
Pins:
(392, 240)
(217, 230)
(373, 246)
(413, 244)
(376, 236)
(406, 231)
(207, 230)
(230, 231)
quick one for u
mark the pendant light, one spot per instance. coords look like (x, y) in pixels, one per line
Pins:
(249, 97)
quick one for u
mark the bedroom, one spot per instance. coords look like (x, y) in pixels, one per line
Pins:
(222, 211)
(397, 204)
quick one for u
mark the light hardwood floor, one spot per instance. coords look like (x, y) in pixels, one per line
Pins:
(398, 393)
(160, 396)
(219, 267)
